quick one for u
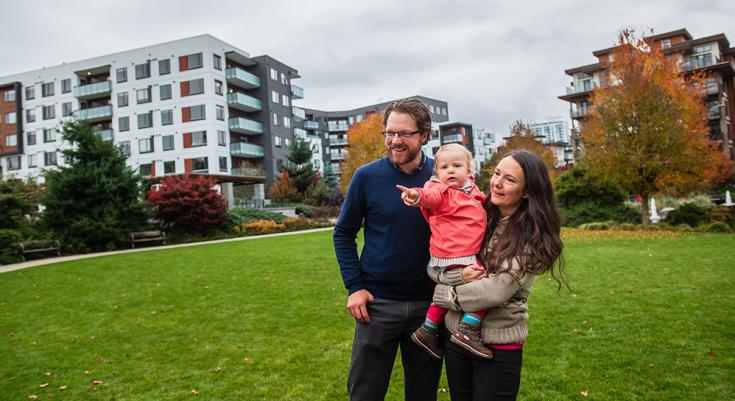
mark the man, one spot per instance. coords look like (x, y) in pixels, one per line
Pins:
(389, 290)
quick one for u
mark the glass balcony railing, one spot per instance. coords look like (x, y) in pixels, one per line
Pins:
(248, 172)
(96, 89)
(297, 91)
(246, 150)
(242, 78)
(241, 101)
(94, 114)
(579, 113)
(337, 156)
(454, 138)
(245, 126)
(714, 113)
(298, 132)
(311, 124)
(582, 87)
(298, 112)
(337, 141)
(337, 126)
(105, 134)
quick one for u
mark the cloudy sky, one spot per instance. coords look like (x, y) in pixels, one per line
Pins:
(493, 61)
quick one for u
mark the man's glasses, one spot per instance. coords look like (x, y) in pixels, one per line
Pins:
(402, 135)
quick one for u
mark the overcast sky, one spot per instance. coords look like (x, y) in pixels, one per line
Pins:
(494, 62)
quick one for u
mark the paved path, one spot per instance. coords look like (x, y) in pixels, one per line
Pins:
(47, 261)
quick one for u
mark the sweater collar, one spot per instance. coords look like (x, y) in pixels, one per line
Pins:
(418, 168)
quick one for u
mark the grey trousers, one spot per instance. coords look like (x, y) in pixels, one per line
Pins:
(374, 352)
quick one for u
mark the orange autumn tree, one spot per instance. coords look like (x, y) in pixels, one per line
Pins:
(646, 129)
(521, 138)
(283, 190)
(367, 143)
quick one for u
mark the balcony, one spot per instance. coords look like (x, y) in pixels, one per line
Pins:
(488, 141)
(337, 156)
(246, 150)
(105, 134)
(247, 172)
(338, 142)
(337, 126)
(298, 112)
(311, 124)
(711, 88)
(699, 62)
(580, 113)
(454, 138)
(714, 113)
(239, 77)
(95, 90)
(245, 126)
(588, 86)
(297, 91)
(243, 102)
(300, 133)
(94, 114)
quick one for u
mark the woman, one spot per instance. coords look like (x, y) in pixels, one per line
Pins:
(522, 241)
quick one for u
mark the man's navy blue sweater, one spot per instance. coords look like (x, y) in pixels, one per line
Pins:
(396, 250)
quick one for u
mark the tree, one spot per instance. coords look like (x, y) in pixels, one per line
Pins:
(367, 143)
(300, 170)
(521, 138)
(18, 200)
(95, 200)
(187, 203)
(283, 189)
(647, 130)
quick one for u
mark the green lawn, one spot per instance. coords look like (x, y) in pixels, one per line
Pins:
(650, 319)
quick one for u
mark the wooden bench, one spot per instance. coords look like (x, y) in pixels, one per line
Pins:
(37, 246)
(146, 236)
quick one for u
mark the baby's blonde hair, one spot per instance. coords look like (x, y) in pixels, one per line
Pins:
(457, 148)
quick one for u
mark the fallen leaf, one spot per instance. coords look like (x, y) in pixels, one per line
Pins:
(93, 389)
(43, 385)
(47, 373)
(217, 369)
(711, 354)
(194, 392)
(62, 388)
(584, 393)
(92, 337)
(97, 382)
(247, 359)
(32, 397)
(86, 372)
(650, 365)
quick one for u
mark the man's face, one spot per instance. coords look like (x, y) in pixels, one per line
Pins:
(403, 152)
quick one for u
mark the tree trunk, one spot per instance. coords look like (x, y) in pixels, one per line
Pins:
(645, 211)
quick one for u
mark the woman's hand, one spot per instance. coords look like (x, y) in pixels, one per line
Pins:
(473, 273)
(409, 196)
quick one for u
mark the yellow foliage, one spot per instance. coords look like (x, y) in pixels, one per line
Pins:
(367, 143)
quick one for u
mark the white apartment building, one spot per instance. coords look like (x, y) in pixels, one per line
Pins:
(554, 133)
(195, 105)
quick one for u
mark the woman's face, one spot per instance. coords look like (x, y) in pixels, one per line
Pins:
(507, 186)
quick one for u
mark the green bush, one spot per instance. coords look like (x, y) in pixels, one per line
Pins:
(8, 238)
(684, 228)
(590, 211)
(714, 227)
(688, 213)
(305, 210)
(239, 216)
(722, 214)
(597, 225)
(577, 186)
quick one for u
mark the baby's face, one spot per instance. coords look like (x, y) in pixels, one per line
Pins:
(452, 168)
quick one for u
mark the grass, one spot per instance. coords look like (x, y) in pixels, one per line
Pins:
(651, 318)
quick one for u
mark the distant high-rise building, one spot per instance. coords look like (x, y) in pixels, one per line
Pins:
(554, 133)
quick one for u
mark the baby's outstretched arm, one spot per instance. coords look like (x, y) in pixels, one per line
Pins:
(409, 196)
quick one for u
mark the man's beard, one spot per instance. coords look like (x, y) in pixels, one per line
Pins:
(406, 156)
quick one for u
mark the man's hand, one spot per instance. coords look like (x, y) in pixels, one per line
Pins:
(357, 304)
(473, 273)
(409, 196)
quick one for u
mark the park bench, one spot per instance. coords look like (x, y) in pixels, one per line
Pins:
(37, 246)
(146, 236)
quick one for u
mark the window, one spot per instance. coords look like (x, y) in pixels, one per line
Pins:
(274, 74)
(200, 165)
(283, 78)
(275, 119)
(143, 70)
(66, 85)
(9, 96)
(48, 112)
(122, 74)
(143, 95)
(286, 122)
(11, 140)
(122, 99)
(167, 117)
(666, 43)
(32, 161)
(30, 115)
(123, 124)
(197, 113)
(196, 86)
(49, 135)
(169, 167)
(431, 109)
(47, 89)
(165, 92)
(223, 164)
(190, 62)
(284, 100)
(124, 147)
(218, 87)
(220, 112)
(164, 67)
(14, 163)
(49, 158)
(199, 138)
(10, 118)
(31, 138)
(217, 62)
(66, 109)
(221, 138)
(145, 120)
(287, 142)
(145, 145)
(30, 92)
(274, 97)
(277, 140)
(167, 142)
(146, 170)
